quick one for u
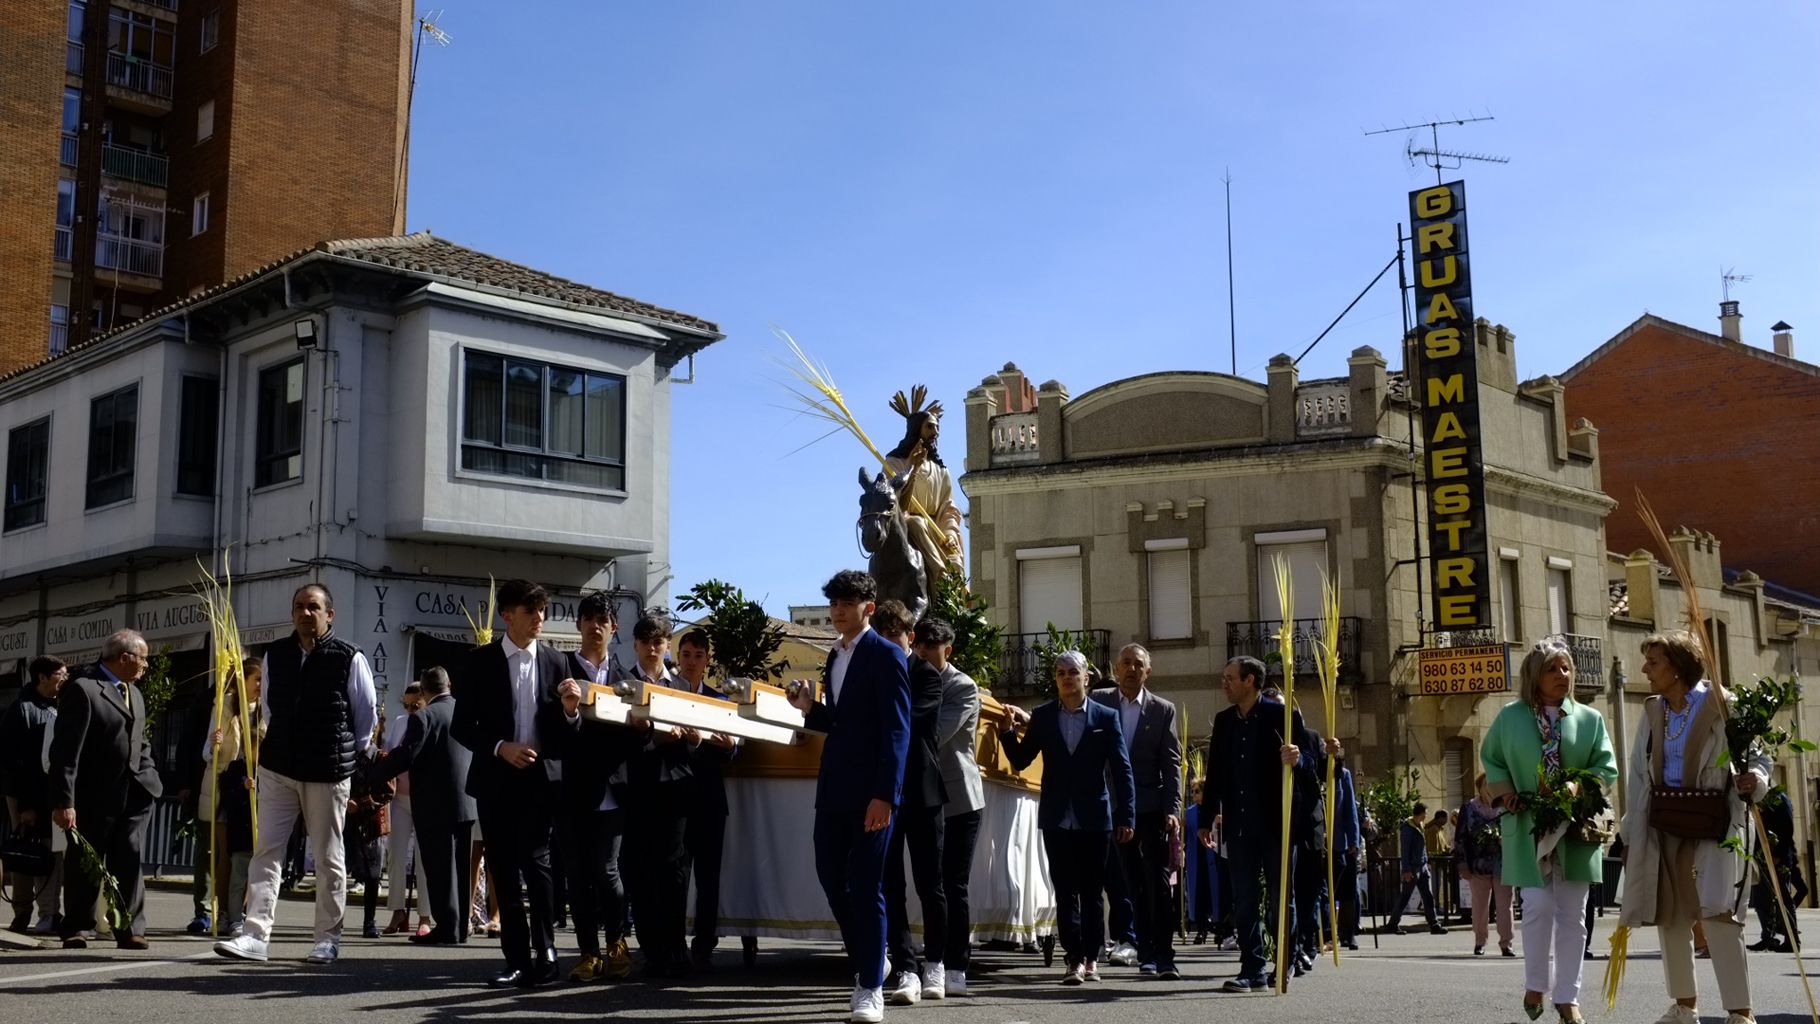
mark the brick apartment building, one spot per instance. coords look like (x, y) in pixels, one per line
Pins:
(154, 148)
(1718, 433)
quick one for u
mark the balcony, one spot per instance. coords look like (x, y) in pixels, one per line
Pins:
(72, 57)
(70, 147)
(142, 76)
(1259, 640)
(65, 244)
(1589, 661)
(138, 165)
(1323, 409)
(60, 338)
(129, 255)
(1014, 439)
(1021, 666)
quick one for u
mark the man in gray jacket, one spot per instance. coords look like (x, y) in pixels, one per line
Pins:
(956, 739)
(1156, 764)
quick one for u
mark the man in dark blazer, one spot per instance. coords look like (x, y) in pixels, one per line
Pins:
(866, 717)
(507, 713)
(1148, 725)
(442, 812)
(918, 824)
(103, 773)
(1086, 802)
(706, 834)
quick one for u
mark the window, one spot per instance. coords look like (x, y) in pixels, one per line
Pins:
(278, 447)
(205, 120)
(541, 422)
(1049, 589)
(72, 110)
(28, 461)
(1458, 772)
(1507, 601)
(1306, 552)
(196, 432)
(1171, 598)
(199, 214)
(141, 37)
(60, 328)
(1560, 597)
(113, 444)
(211, 31)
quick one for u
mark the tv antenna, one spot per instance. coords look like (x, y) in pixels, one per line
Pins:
(427, 25)
(1728, 277)
(1434, 156)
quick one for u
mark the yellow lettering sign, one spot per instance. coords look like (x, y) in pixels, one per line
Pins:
(1441, 343)
(1451, 388)
(1453, 528)
(1456, 610)
(1446, 463)
(1440, 308)
(1448, 428)
(1434, 236)
(1452, 499)
(1448, 273)
(1434, 202)
(1454, 572)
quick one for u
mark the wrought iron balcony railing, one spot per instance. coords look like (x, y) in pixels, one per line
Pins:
(130, 72)
(1259, 640)
(130, 255)
(135, 165)
(66, 244)
(1022, 672)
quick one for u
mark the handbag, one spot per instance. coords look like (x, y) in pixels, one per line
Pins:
(1689, 813)
(26, 856)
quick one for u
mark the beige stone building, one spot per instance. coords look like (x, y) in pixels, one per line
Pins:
(1151, 509)
(1758, 628)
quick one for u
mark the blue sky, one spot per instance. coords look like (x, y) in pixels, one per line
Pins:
(920, 192)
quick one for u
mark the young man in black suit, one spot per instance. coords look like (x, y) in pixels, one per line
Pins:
(102, 769)
(866, 717)
(706, 832)
(918, 824)
(508, 714)
(442, 812)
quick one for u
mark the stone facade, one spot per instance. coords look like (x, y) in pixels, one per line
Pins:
(1131, 473)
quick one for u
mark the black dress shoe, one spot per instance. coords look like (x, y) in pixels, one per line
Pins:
(512, 978)
(542, 972)
(432, 937)
(74, 942)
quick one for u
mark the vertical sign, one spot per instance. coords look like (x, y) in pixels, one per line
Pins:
(1447, 354)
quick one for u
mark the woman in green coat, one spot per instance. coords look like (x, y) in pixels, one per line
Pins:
(1545, 725)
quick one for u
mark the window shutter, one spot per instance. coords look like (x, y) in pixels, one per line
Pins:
(1049, 591)
(1307, 562)
(1171, 613)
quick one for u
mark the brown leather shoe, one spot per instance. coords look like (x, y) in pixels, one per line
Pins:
(133, 942)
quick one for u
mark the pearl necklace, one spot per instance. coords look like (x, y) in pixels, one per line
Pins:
(1686, 717)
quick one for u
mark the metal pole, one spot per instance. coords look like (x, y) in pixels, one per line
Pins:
(1232, 328)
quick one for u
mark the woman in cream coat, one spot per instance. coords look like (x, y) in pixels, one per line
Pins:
(1672, 882)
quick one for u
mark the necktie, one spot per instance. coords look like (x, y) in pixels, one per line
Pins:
(121, 687)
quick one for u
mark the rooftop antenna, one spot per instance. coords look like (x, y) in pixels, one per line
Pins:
(1728, 277)
(1231, 325)
(427, 25)
(1434, 156)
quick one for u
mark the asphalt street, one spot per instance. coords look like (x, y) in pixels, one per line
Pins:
(1412, 978)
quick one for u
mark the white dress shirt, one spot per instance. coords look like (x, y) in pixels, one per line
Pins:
(1129, 711)
(837, 673)
(363, 697)
(521, 669)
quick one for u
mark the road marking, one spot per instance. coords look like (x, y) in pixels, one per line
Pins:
(129, 966)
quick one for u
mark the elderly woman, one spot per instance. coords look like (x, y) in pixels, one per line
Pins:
(1087, 801)
(1480, 855)
(1546, 729)
(1677, 875)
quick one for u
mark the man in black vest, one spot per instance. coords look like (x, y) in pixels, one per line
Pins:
(442, 812)
(507, 712)
(318, 705)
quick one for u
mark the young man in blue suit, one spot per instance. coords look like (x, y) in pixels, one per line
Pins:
(866, 716)
(1088, 800)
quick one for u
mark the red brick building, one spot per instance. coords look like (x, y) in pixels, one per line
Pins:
(157, 147)
(1719, 434)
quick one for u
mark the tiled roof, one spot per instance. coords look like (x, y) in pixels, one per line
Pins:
(426, 256)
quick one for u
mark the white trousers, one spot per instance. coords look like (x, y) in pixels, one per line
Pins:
(323, 806)
(1554, 939)
(1725, 941)
(401, 847)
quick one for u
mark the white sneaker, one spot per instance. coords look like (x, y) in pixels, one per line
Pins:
(906, 989)
(868, 1005)
(1678, 1014)
(324, 952)
(935, 981)
(955, 984)
(241, 947)
(1124, 954)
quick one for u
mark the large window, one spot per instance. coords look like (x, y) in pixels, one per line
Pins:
(1049, 589)
(542, 422)
(28, 460)
(113, 444)
(1507, 601)
(196, 431)
(1305, 552)
(1560, 596)
(1171, 597)
(278, 446)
